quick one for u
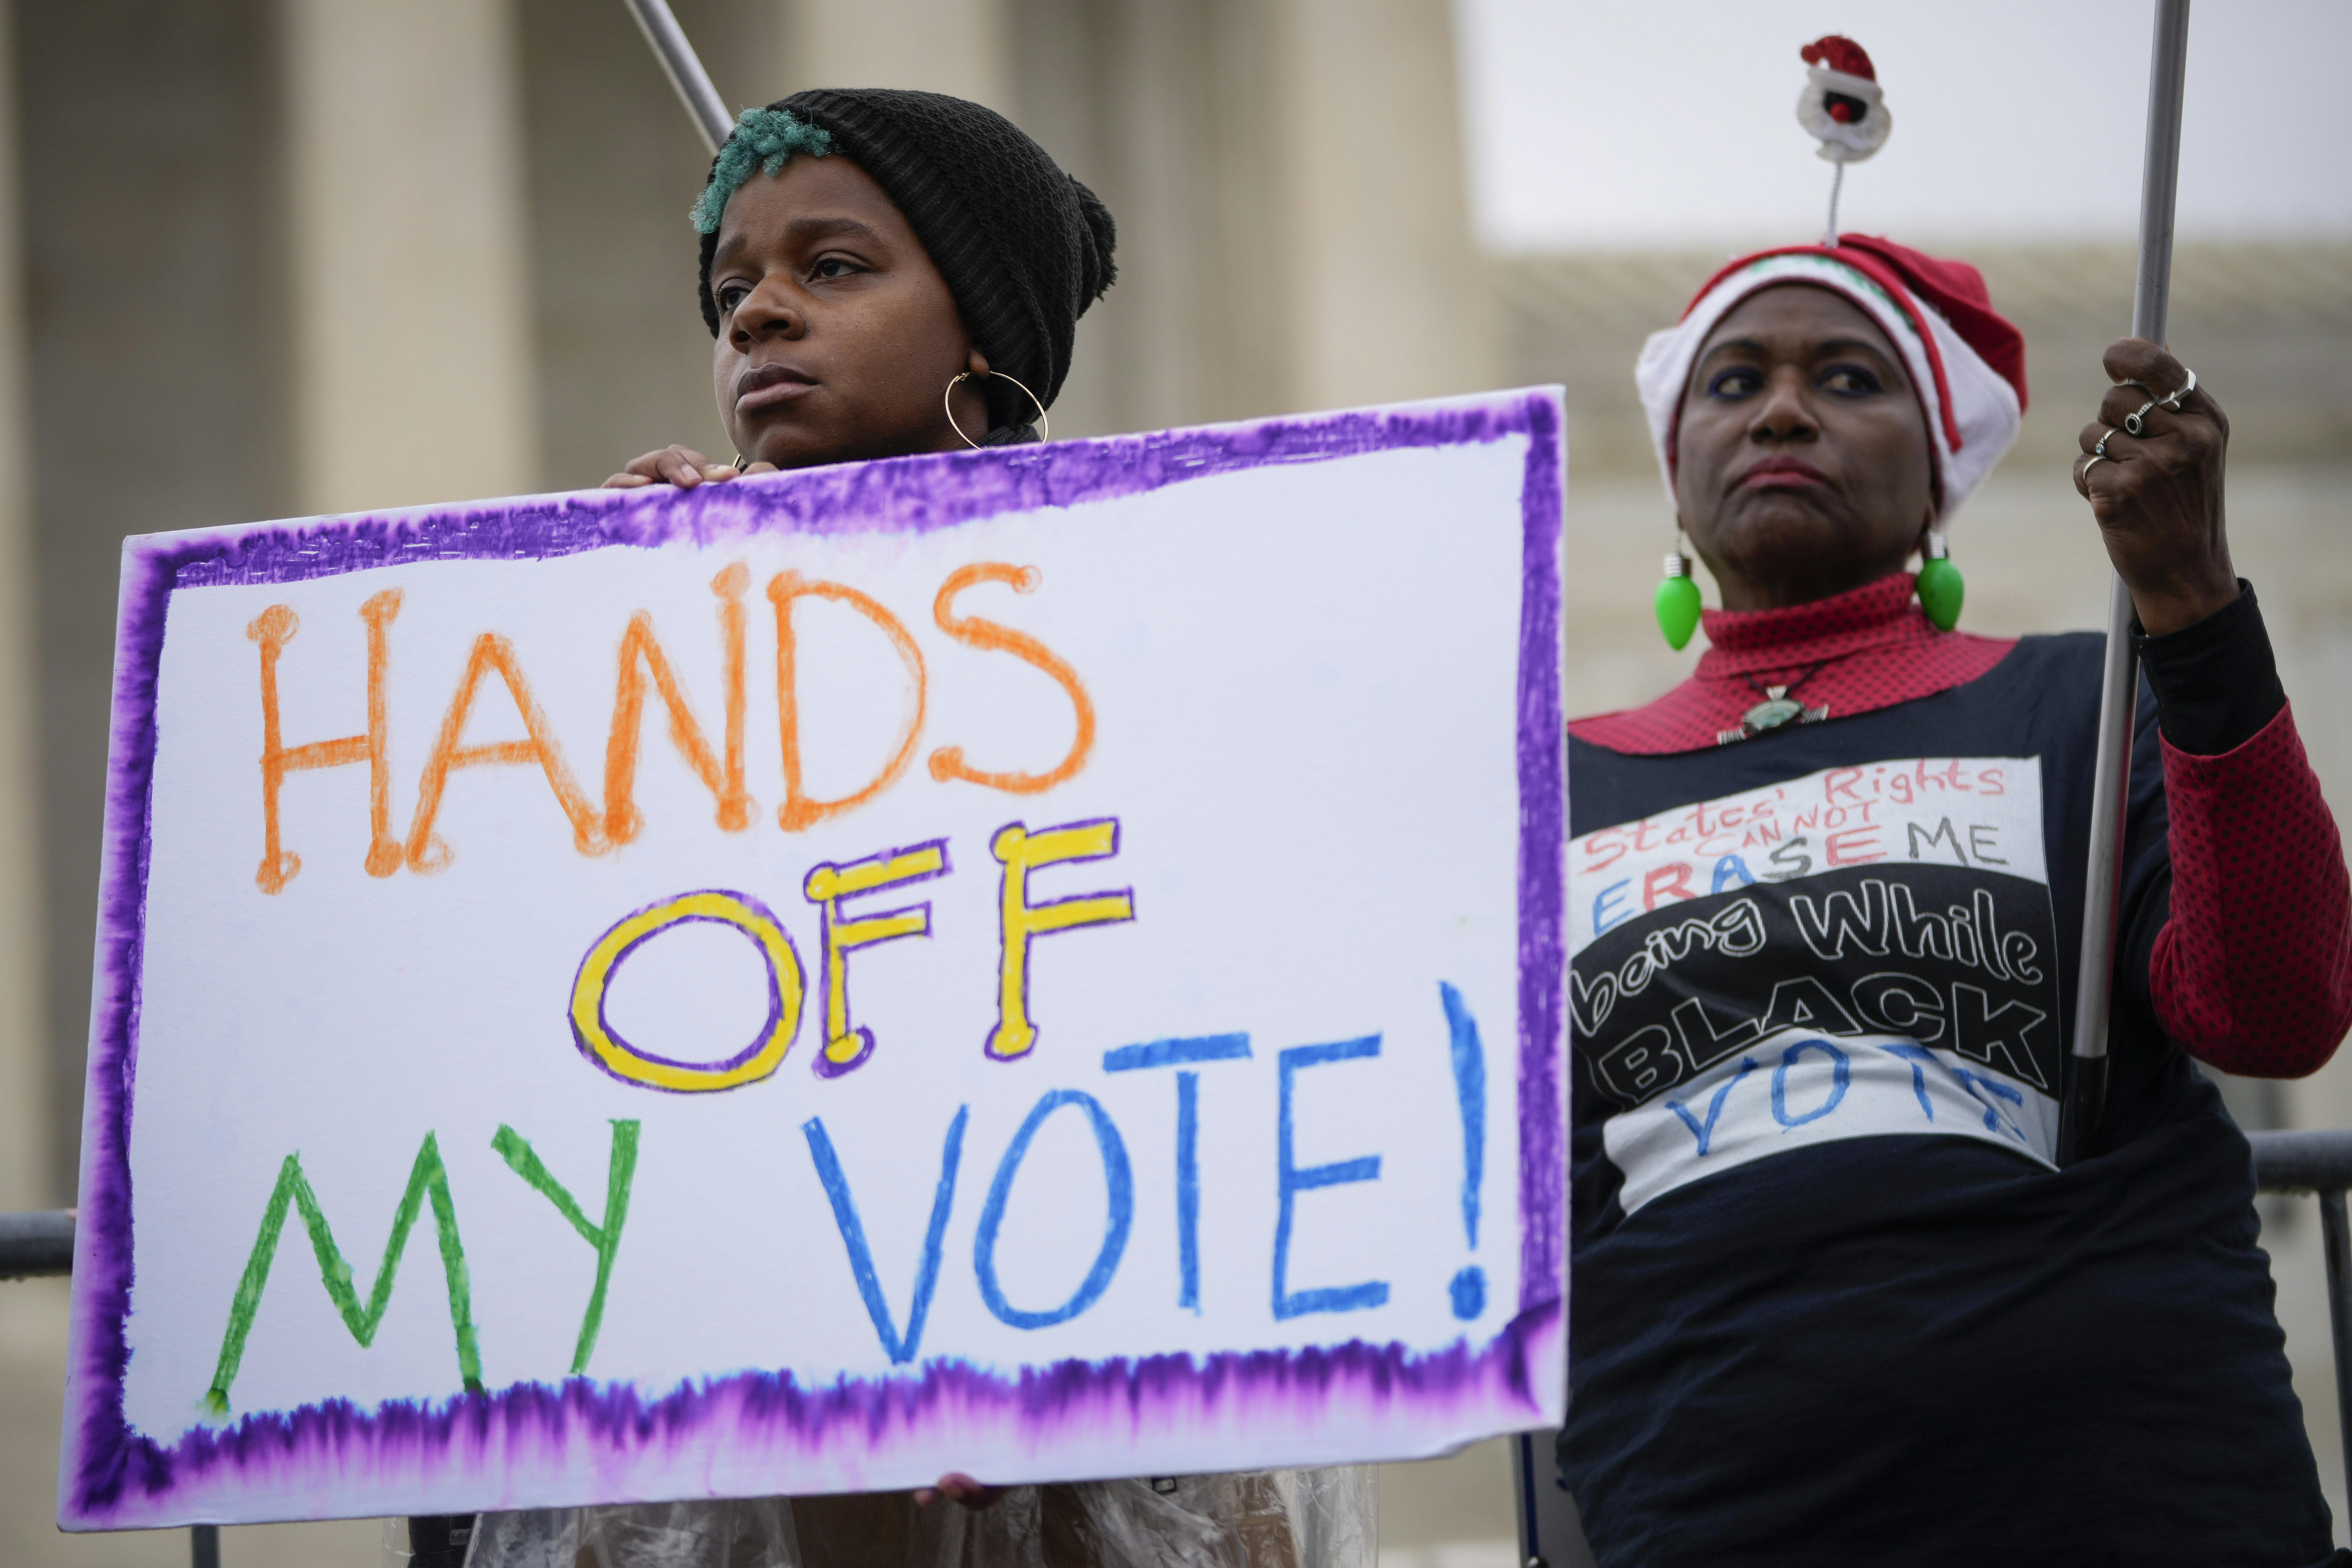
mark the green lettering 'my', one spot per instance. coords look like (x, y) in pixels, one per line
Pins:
(426, 1178)
(606, 1238)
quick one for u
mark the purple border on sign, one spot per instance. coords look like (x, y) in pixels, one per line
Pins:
(116, 1478)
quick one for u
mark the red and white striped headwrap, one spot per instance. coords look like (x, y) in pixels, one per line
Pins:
(1966, 363)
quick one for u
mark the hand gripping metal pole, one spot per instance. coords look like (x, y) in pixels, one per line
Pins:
(684, 69)
(2085, 1100)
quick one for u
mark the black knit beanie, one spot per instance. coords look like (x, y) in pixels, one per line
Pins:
(1024, 247)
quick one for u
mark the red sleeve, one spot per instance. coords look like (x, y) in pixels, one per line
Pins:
(2253, 972)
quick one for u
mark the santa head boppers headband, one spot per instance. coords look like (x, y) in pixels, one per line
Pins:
(1842, 107)
(1966, 362)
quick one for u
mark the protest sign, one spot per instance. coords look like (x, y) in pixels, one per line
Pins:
(1044, 962)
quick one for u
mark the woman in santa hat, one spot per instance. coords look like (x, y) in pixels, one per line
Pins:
(1835, 1299)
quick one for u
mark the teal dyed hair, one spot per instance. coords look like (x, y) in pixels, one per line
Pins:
(764, 139)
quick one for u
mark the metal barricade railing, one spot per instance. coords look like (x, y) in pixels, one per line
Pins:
(2319, 1163)
(35, 1244)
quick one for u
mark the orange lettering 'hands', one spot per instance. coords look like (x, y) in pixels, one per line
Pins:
(947, 762)
(799, 811)
(426, 851)
(273, 629)
(641, 654)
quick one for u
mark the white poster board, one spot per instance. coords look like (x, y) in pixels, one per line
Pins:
(1041, 961)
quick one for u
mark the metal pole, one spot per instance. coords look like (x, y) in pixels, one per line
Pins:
(203, 1546)
(1524, 1493)
(2086, 1077)
(2338, 1238)
(684, 69)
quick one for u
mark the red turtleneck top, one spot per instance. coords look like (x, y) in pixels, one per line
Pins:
(1868, 649)
(2253, 973)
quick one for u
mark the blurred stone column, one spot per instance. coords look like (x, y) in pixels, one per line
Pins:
(410, 242)
(1388, 299)
(624, 362)
(24, 1178)
(155, 251)
(1291, 196)
(957, 46)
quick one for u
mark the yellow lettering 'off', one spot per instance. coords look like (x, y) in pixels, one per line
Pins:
(1021, 851)
(846, 1047)
(623, 1061)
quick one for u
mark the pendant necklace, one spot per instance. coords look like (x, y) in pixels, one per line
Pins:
(1777, 710)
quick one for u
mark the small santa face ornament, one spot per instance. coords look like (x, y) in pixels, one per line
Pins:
(1842, 105)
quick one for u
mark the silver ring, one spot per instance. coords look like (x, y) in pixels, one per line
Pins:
(2134, 421)
(2101, 449)
(2096, 458)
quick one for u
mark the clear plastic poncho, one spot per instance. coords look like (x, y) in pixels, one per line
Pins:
(1260, 1519)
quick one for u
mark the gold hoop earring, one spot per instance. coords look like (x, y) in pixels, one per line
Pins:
(947, 401)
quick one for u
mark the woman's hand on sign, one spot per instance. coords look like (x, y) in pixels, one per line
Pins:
(2158, 495)
(680, 465)
(957, 1487)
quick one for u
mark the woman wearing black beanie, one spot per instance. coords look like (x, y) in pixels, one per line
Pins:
(885, 272)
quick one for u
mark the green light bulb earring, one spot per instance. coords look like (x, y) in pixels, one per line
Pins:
(1676, 600)
(1941, 587)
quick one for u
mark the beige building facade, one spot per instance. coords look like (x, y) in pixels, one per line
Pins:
(317, 256)
(268, 258)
